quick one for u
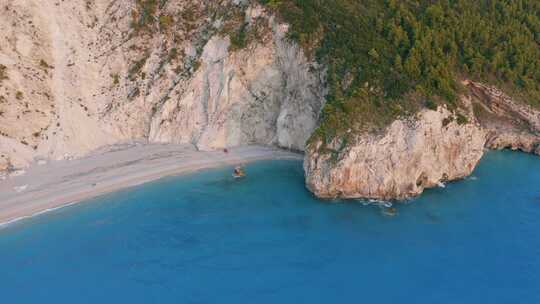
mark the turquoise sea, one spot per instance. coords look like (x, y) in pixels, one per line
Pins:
(206, 238)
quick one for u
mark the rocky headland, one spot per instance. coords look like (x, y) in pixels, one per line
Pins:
(424, 151)
(79, 75)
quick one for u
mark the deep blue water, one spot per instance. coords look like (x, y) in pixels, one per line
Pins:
(206, 238)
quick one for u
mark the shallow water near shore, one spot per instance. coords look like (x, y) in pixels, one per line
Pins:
(207, 238)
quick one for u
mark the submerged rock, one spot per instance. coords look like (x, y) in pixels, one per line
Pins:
(391, 211)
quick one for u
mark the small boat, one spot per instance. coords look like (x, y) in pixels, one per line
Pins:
(238, 172)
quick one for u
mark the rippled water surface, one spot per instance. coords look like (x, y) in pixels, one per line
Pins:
(206, 238)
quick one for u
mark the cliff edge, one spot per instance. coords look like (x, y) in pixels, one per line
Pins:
(423, 151)
(381, 109)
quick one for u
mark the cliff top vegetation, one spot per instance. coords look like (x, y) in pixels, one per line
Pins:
(392, 57)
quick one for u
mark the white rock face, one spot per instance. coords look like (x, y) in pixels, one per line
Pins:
(510, 124)
(264, 94)
(78, 75)
(423, 152)
(409, 157)
(522, 141)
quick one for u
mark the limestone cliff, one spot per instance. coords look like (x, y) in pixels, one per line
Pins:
(408, 157)
(77, 75)
(422, 151)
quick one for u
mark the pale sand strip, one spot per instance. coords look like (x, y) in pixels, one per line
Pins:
(62, 183)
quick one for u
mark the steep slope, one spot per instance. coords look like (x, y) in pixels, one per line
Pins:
(424, 151)
(77, 75)
(391, 97)
(398, 117)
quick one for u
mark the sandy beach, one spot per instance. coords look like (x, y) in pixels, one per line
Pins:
(60, 183)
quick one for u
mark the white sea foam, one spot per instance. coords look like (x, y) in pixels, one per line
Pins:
(376, 202)
(5, 224)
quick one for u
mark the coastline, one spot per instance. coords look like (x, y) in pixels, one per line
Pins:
(59, 184)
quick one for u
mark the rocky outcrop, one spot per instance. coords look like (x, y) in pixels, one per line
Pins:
(78, 75)
(510, 124)
(523, 141)
(264, 94)
(408, 157)
(423, 151)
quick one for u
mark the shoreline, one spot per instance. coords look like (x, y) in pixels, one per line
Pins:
(59, 184)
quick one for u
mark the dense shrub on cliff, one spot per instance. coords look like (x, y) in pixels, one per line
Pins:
(391, 57)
